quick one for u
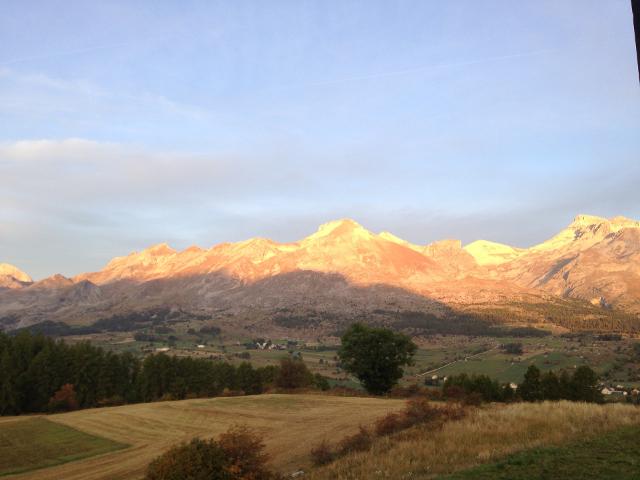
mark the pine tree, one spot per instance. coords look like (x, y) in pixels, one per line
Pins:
(530, 389)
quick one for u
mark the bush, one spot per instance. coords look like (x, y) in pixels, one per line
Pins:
(244, 454)
(358, 442)
(321, 382)
(237, 455)
(64, 399)
(513, 348)
(322, 454)
(419, 410)
(195, 460)
(390, 423)
(409, 391)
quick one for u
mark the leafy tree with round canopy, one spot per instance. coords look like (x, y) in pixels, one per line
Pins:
(376, 356)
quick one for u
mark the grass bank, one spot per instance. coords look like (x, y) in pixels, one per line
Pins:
(486, 435)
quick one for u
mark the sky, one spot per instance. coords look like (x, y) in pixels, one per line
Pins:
(127, 124)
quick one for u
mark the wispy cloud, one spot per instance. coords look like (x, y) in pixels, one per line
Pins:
(49, 94)
(425, 68)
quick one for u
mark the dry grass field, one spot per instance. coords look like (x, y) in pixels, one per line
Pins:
(486, 435)
(291, 425)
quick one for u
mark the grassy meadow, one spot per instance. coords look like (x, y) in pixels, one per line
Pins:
(610, 455)
(291, 424)
(486, 435)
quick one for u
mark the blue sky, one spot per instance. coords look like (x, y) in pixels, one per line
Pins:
(126, 124)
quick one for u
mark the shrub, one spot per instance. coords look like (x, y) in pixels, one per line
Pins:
(64, 399)
(452, 412)
(321, 382)
(195, 460)
(322, 454)
(237, 455)
(244, 454)
(513, 348)
(473, 398)
(358, 442)
(419, 410)
(390, 423)
(409, 391)
(454, 392)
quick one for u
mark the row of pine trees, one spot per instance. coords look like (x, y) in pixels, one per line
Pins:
(39, 374)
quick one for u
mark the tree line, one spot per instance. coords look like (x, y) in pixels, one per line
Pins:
(580, 386)
(39, 374)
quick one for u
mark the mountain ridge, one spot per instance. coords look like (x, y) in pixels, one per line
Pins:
(593, 259)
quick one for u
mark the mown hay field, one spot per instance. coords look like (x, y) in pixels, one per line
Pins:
(290, 424)
(485, 435)
(31, 443)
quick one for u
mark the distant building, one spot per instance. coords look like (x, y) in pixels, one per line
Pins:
(163, 349)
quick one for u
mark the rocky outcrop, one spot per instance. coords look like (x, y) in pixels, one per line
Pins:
(348, 269)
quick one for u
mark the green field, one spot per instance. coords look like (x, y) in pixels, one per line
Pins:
(32, 443)
(613, 360)
(612, 455)
(451, 356)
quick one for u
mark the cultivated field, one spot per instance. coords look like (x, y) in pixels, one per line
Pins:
(445, 355)
(291, 425)
(486, 435)
(27, 444)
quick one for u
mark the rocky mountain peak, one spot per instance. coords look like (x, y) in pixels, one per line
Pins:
(340, 229)
(9, 270)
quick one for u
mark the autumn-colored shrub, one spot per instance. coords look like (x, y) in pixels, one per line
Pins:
(358, 442)
(409, 391)
(419, 410)
(64, 399)
(454, 392)
(244, 452)
(236, 455)
(472, 398)
(195, 460)
(390, 423)
(453, 412)
(322, 454)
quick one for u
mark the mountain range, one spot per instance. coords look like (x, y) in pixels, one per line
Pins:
(343, 269)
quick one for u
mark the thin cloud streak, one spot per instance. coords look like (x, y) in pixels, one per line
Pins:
(425, 68)
(84, 51)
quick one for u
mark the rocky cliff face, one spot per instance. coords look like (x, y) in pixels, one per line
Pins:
(594, 259)
(343, 267)
(12, 277)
